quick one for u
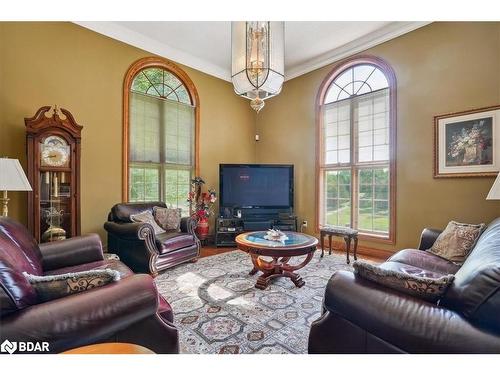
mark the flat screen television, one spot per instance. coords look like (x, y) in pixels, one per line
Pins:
(265, 186)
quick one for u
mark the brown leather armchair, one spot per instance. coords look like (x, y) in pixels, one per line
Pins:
(360, 316)
(129, 310)
(139, 248)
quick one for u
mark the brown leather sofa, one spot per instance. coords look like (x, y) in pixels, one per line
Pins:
(360, 316)
(129, 310)
(138, 246)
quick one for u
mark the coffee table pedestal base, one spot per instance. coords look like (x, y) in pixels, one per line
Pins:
(278, 267)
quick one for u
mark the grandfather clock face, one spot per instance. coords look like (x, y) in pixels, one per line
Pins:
(54, 152)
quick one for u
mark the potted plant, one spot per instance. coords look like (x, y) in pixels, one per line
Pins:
(201, 205)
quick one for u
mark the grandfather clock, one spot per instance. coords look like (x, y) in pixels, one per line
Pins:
(53, 147)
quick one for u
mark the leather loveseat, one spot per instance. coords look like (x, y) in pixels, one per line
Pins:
(129, 310)
(360, 316)
(138, 246)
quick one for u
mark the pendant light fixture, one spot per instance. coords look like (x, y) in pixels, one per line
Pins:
(258, 60)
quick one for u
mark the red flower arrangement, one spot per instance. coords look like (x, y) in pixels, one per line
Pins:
(201, 204)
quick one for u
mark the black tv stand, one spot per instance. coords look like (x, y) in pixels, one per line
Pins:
(228, 228)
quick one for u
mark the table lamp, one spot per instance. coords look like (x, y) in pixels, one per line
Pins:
(495, 189)
(12, 178)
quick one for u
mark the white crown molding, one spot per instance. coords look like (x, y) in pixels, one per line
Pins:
(123, 34)
(391, 31)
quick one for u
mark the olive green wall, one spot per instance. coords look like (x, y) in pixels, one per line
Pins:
(440, 68)
(75, 68)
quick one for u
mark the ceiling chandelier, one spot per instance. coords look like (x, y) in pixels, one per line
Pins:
(258, 60)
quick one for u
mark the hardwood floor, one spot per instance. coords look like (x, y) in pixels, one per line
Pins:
(207, 251)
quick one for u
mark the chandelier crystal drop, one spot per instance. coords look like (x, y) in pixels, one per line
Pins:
(258, 60)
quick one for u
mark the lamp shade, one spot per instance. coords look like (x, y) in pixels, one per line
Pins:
(495, 189)
(12, 177)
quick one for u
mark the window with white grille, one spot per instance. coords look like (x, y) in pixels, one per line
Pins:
(355, 151)
(161, 139)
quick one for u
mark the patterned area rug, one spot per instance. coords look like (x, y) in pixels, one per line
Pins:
(218, 309)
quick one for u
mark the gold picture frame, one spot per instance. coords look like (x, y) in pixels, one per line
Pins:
(466, 143)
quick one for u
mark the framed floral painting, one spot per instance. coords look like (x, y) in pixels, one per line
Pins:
(466, 143)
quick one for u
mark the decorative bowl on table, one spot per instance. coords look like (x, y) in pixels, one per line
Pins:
(276, 235)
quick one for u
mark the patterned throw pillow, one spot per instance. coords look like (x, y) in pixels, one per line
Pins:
(147, 217)
(57, 286)
(427, 288)
(457, 241)
(168, 218)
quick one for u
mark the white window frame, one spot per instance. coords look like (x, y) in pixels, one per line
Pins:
(134, 70)
(353, 165)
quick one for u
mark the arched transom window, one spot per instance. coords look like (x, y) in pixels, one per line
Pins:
(162, 84)
(356, 148)
(161, 129)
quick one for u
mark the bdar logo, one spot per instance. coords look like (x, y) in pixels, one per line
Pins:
(8, 347)
(24, 346)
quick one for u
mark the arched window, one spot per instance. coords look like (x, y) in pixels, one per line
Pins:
(356, 147)
(161, 111)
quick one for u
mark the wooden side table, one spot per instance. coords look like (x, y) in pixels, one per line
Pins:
(347, 234)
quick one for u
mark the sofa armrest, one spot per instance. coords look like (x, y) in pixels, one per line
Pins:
(188, 225)
(428, 237)
(128, 231)
(86, 317)
(71, 252)
(139, 235)
(408, 323)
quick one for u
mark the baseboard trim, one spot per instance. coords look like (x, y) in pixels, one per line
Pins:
(376, 253)
(382, 254)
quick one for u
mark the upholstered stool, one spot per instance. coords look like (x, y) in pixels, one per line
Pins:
(347, 234)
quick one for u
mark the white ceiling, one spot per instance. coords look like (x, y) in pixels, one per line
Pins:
(206, 45)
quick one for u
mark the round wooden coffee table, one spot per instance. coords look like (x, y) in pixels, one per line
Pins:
(257, 246)
(110, 348)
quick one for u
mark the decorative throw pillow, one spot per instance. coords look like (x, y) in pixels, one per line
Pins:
(168, 218)
(457, 241)
(57, 286)
(147, 217)
(427, 288)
